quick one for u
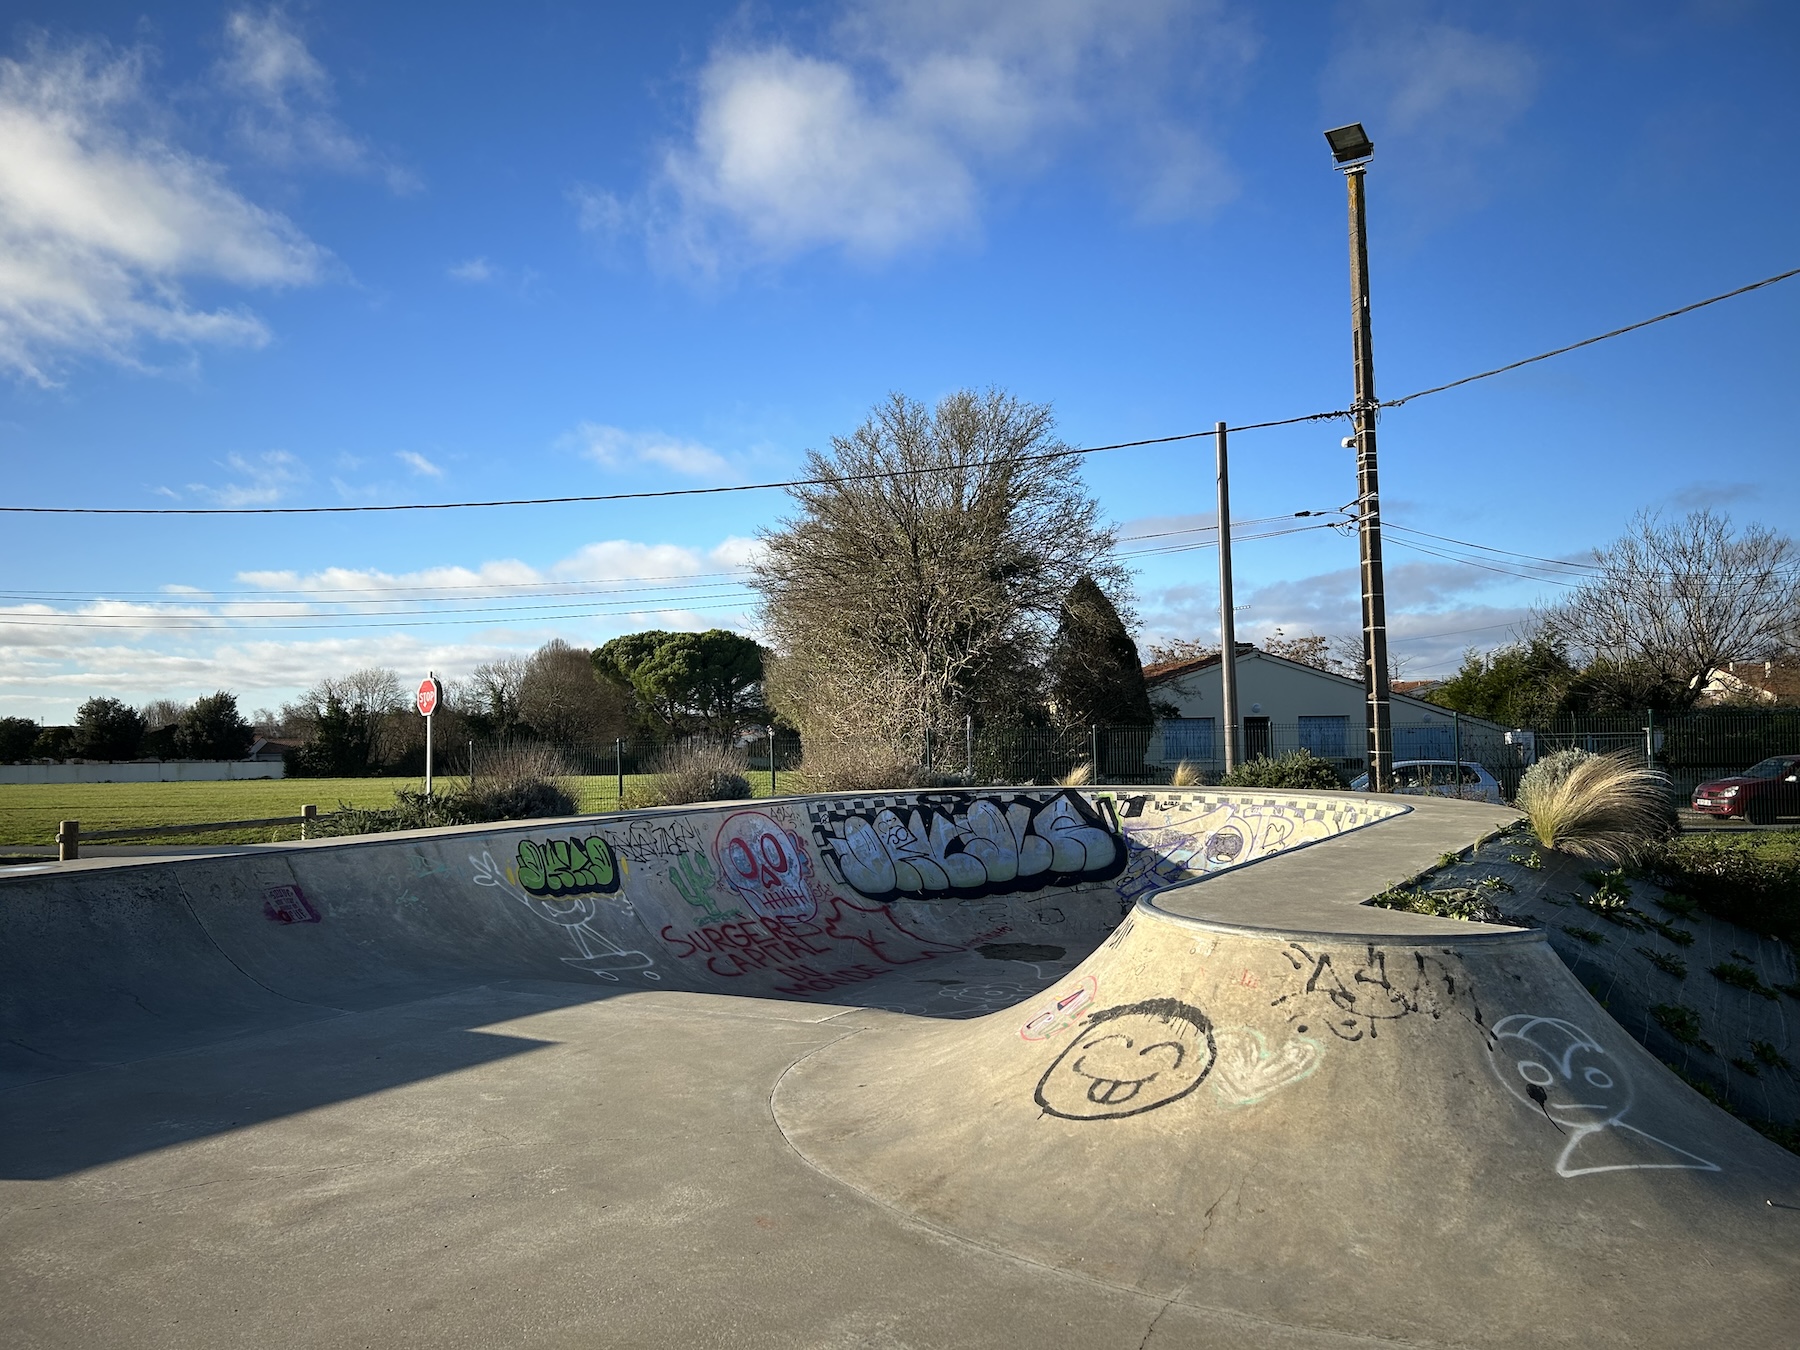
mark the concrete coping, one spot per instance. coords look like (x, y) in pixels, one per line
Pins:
(1321, 890)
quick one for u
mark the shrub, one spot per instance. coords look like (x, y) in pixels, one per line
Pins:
(514, 784)
(1295, 769)
(1752, 880)
(872, 767)
(1596, 806)
(691, 771)
(1457, 902)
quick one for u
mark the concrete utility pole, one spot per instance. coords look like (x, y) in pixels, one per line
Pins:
(1352, 149)
(1227, 624)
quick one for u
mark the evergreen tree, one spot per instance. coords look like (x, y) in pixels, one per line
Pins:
(108, 729)
(213, 729)
(1095, 675)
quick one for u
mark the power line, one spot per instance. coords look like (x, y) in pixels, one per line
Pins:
(1588, 342)
(1489, 548)
(550, 590)
(1064, 453)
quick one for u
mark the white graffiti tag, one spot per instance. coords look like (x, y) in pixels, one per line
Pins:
(599, 955)
(1558, 1069)
(989, 847)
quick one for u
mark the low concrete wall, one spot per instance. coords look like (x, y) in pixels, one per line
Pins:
(143, 771)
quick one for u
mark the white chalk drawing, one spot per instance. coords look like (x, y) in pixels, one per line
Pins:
(988, 997)
(934, 845)
(599, 955)
(1248, 1071)
(1558, 1070)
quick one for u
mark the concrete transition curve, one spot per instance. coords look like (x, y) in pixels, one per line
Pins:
(990, 1067)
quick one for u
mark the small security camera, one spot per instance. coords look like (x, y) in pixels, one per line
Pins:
(1349, 442)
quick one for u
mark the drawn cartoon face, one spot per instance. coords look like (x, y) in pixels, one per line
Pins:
(1561, 1070)
(1129, 1060)
(763, 862)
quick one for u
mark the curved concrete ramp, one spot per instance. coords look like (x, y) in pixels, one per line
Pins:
(947, 1069)
(1420, 1137)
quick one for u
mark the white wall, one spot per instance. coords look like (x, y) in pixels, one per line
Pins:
(155, 771)
(1286, 691)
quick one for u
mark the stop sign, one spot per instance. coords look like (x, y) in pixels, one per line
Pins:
(430, 692)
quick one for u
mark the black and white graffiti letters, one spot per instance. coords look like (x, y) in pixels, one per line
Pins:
(643, 839)
(568, 867)
(1353, 1000)
(937, 845)
(1128, 1060)
(1561, 1072)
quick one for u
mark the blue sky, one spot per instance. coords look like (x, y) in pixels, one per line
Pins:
(333, 254)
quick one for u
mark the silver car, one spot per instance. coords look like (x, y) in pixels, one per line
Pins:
(1439, 778)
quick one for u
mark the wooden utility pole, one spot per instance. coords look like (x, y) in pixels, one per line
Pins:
(1352, 149)
(1228, 710)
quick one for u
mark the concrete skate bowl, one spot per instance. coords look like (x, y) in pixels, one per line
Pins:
(937, 1068)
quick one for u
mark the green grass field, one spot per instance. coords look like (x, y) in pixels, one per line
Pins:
(29, 812)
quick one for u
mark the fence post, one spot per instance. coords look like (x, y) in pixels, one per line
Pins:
(1649, 738)
(471, 764)
(619, 765)
(771, 759)
(308, 814)
(1456, 747)
(1094, 752)
(969, 746)
(928, 746)
(68, 841)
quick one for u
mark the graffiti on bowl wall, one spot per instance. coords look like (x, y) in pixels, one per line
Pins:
(576, 914)
(932, 846)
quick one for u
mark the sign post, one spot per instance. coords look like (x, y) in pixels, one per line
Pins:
(431, 693)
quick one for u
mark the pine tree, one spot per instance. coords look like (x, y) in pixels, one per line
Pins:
(1096, 678)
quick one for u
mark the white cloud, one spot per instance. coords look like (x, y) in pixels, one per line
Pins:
(263, 480)
(418, 464)
(286, 116)
(1435, 611)
(474, 270)
(885, 136)
(1439, 94)
(616, 448)
(102, 221)
(259, 642)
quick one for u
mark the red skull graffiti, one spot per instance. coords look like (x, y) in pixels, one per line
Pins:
(765, 863)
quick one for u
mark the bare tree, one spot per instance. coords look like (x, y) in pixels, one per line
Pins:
(563, 701)
(1180, 649)
(161, 712)
(492, 692)
(921, 579)
(1671, 602)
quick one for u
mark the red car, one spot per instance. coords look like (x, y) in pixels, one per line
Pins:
(1759, 794)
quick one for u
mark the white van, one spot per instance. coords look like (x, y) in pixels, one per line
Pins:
(1439, 778)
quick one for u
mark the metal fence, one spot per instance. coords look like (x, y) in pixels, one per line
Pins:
(1690, 747)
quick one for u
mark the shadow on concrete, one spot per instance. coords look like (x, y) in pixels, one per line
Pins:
(99, 1115)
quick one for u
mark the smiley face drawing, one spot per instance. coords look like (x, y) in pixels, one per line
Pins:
(1567, 1076)
(1129, 1060)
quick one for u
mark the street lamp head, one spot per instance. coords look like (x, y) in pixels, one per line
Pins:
(1349, 144)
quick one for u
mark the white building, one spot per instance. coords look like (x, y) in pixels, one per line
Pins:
(1284, 705)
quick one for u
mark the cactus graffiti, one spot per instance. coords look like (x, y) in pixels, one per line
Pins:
(568, 867)
(693, 876)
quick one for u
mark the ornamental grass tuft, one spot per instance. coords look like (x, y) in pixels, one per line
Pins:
(1604, 807)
